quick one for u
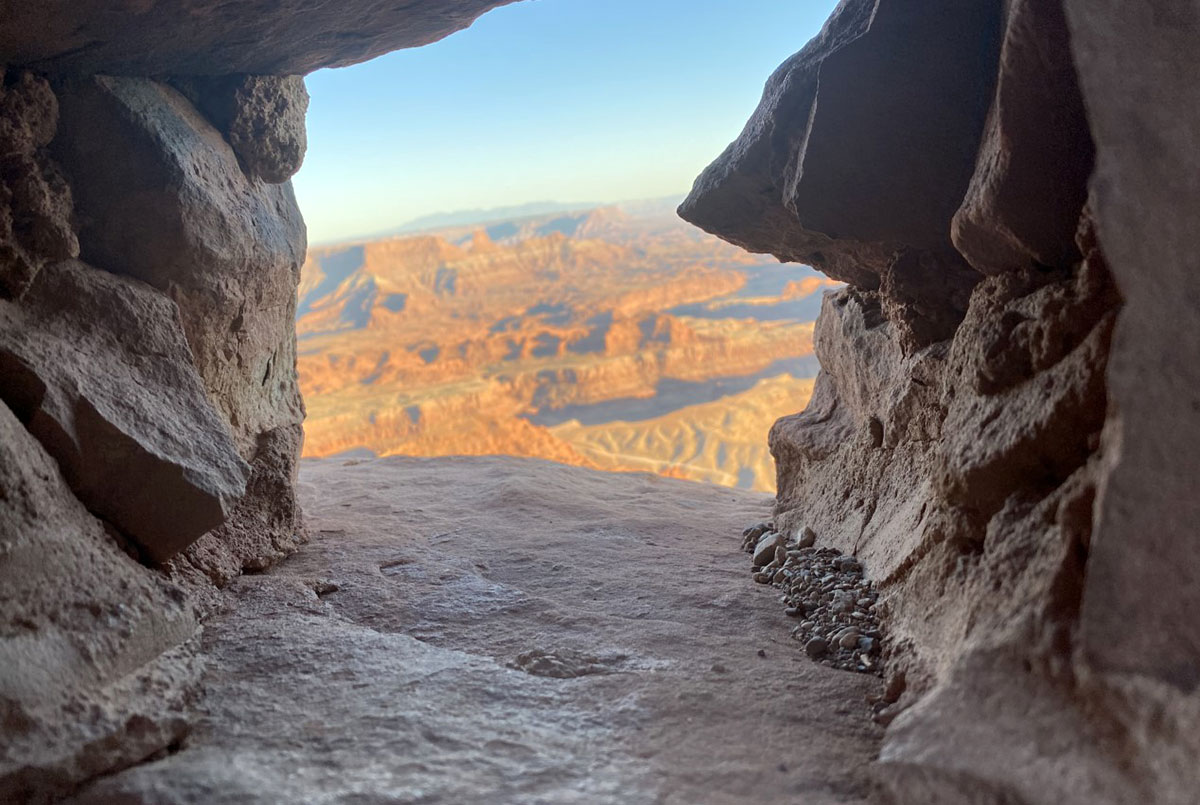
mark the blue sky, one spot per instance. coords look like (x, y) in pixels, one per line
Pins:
(564, 100)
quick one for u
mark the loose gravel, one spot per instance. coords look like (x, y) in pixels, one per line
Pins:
(826, 591)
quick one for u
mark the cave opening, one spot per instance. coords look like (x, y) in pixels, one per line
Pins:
(985, 505)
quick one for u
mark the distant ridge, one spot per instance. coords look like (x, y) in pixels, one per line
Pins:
(637, 208)
(447, 220)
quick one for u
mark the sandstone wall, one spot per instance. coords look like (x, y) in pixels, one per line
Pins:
(150, 417)
(1004, 423)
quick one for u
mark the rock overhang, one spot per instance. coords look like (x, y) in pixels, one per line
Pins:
(185, 37)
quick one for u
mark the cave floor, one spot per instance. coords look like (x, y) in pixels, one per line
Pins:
(512, 631)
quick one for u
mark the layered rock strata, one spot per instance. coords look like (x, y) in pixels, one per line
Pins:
(989, 434)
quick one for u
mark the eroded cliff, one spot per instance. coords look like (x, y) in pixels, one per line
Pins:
(601, 338)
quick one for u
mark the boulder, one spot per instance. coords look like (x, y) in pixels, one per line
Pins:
(97, 368)
(262, 117)
(162, 197)
(263, 528)
(1030, 180)
(98, 667)
(190, 37)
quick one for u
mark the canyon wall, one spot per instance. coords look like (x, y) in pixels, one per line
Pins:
(150, 250)
(1003, 429)
(616, 337)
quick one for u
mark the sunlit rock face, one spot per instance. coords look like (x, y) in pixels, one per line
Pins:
(616, 337)
(989, 433)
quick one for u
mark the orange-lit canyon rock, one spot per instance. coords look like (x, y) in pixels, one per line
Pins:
(490, 340)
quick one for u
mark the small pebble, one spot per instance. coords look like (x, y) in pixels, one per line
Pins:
(816, 648)
(764, 551)
(756, 531)
(846, 564)
(807, 538)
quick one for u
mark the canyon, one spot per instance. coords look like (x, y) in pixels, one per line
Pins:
(1001, 444)
(614, 338)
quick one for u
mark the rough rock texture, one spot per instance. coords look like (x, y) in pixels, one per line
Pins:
(35, 202)
(154, 399)
(161, 196)
(1030, 181)
(812, 180)
(97, 368)
(97, 674)
(262, 117)
(204, 37)
(1012, 455)
(1142, 102)
(516, 641)
(1005, 435)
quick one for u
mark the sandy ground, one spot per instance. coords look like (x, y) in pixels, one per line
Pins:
(504, 630)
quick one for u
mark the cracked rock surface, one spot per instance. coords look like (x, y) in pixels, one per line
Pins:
(508, 630)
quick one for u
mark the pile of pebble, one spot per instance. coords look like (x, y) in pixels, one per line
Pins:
(826, 590)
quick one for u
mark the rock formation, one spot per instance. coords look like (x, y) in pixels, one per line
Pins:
(601, 338)
(116, 400)
(161, 196)
(1005, 434)
(150, 249)
(983, 438)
